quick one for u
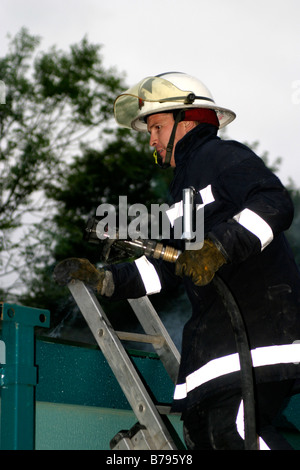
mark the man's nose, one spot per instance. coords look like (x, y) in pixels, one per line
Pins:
(152, 140)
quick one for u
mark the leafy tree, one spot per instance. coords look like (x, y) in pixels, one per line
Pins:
(55, 166)
(54, 100)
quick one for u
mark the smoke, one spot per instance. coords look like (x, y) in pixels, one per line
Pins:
(70, 325)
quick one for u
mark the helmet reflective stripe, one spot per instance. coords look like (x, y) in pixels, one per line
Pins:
(166, 92)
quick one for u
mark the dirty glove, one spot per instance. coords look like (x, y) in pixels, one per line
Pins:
(200, 265)
(79, 268)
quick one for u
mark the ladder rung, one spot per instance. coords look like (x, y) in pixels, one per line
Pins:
(140, 338)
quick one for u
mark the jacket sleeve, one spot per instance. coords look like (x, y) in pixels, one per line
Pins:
(263, 210)
(142, 277)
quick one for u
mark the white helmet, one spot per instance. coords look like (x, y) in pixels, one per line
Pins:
(165, 92)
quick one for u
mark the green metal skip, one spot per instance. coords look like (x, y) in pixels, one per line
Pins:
(59, 395)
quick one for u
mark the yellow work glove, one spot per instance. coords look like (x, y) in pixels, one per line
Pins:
(81, 269)
(200, 265)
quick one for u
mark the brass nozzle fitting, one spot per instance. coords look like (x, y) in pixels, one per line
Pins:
(167, 253)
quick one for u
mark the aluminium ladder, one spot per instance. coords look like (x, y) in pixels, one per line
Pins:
(152, 431)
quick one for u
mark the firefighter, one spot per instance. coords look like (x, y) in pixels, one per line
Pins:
(246, 211)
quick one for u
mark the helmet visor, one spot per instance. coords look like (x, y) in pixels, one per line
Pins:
(130, 104)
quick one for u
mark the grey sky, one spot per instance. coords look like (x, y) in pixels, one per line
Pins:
(246, 52)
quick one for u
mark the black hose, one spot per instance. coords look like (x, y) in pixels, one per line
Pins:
(246, 369)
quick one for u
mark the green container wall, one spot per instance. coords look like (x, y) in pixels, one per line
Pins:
(80, 405)
(74, 374)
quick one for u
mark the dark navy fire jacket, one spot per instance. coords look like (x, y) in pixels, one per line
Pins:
(246, 211)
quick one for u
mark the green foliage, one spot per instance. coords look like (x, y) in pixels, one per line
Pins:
(54, 100)
(54, 166)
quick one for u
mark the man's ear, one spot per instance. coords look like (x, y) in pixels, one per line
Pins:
(189, 125)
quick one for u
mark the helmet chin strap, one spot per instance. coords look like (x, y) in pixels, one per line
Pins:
(178, 116)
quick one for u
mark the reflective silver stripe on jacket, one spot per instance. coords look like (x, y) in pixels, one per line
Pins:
(240, 426)
(149, 275)
(256, 225)
(177, 209)
(265, 356)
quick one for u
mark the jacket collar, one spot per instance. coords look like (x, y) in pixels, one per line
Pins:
(191, 140)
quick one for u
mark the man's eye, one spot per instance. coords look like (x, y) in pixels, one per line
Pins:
(155, 128)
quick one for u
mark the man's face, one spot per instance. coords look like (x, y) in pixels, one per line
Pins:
(160, 127)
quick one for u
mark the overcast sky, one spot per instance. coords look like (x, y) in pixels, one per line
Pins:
(246, 51)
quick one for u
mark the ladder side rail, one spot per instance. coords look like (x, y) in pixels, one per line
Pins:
(152, 325)
(121, 365)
